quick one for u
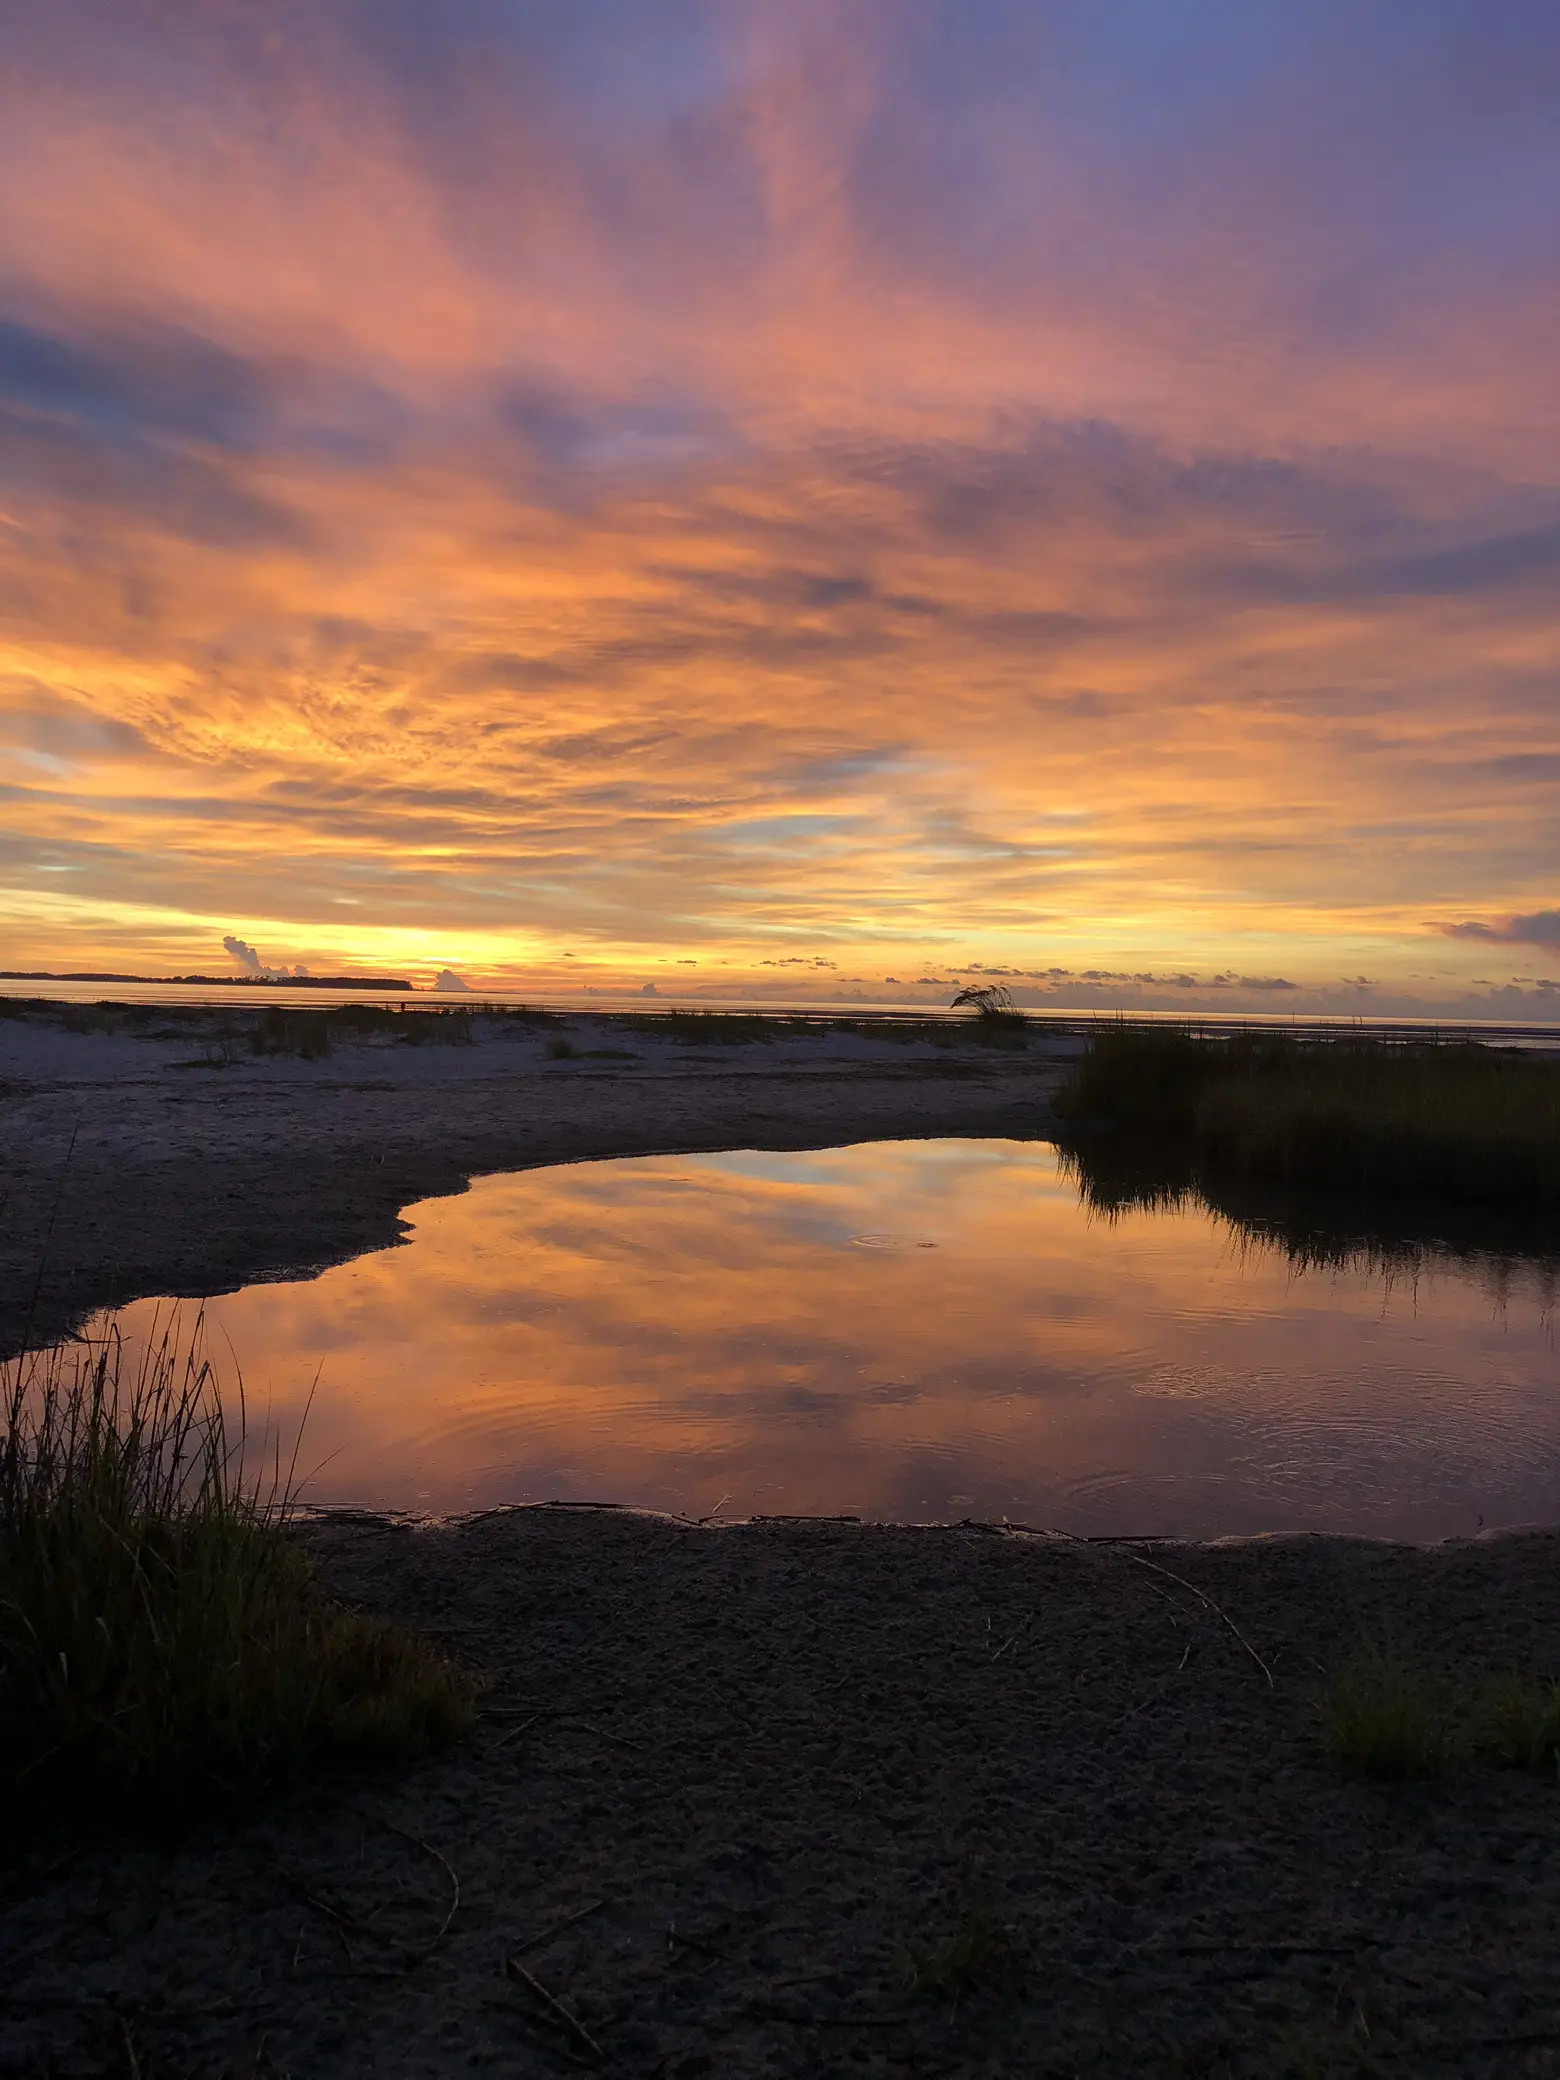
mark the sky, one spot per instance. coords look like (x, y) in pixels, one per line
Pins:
(815, 497)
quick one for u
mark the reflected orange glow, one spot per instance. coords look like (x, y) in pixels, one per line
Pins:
(907, 1330)
(868, 486)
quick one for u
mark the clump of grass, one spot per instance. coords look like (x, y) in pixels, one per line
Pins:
(1470, 1124)
(164, 1646)
(976, 1953)
(1518, 1723)
(365, 1020)
(305, 1034)
(998, 1022)
(560, 1049)
(715, 1028)
(1383, 1716)
(1388, 1717)
(444, 1027)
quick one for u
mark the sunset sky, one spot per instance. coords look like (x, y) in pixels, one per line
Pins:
(786, 494)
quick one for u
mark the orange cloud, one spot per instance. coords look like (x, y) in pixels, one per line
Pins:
(768, 479)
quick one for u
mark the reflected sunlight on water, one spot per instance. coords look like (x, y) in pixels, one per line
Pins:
(910, 1330)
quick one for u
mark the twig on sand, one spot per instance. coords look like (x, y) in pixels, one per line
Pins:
(618, 1739)
(1154, 1567)
(1217, 1609)
(427, 1950)
(514, 1733)
(581, 1914)
(775, 2014)
(1014, 1638)
(341, 1916)
(555, 2008)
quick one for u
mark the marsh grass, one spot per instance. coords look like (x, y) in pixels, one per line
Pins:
(1386, 1716)
(1468, 1124)
(446, 1025)
(165, 1649)
(711, 1028)
(305, 1034)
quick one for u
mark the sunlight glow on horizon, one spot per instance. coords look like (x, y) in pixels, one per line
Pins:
(903, 488)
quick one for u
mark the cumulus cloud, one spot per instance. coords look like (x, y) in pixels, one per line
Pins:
(249, 960)
(245, 955)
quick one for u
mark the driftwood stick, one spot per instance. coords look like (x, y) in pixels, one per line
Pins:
(1217, 1609)
(558, 1927)
(514, 1733)
(555, 2008)
(1170, 1575)
(428, 1849)
(618, 1739)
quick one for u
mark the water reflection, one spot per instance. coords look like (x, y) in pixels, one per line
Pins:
(908, 1330)
(1390, 1239)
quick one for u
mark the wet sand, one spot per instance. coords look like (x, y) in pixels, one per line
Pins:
(730, 1782)
(132, 1166)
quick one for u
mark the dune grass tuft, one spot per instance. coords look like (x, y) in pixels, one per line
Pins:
(165, 1649)
(305, 1034)
(1384, 1717)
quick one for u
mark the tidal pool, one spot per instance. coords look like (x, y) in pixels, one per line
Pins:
(908, 1330)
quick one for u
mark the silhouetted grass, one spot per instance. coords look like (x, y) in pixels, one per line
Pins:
(713, 1028)
(164, 1646)
(436, 1026)
(305, 1034)
(1468, 1124)
(997, 1022)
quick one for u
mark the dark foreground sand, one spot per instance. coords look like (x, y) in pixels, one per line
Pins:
(731, 1778)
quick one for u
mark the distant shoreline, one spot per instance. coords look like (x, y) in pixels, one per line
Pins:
(371, 982)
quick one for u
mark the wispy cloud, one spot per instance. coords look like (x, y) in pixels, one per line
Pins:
(983, 483)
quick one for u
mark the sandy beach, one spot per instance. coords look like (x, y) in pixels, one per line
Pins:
(146, 1162)
(742, 1800)
(777, 1798)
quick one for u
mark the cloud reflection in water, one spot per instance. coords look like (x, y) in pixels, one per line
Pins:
(672, 1331)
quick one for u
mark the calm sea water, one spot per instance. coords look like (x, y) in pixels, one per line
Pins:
(909, 1330)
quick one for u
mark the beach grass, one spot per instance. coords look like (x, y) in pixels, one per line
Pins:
(1387, 1716)
(1518, 1723)
(305, 1034)
(1467, 1124)
(1383, 1716)
(165, 1649)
